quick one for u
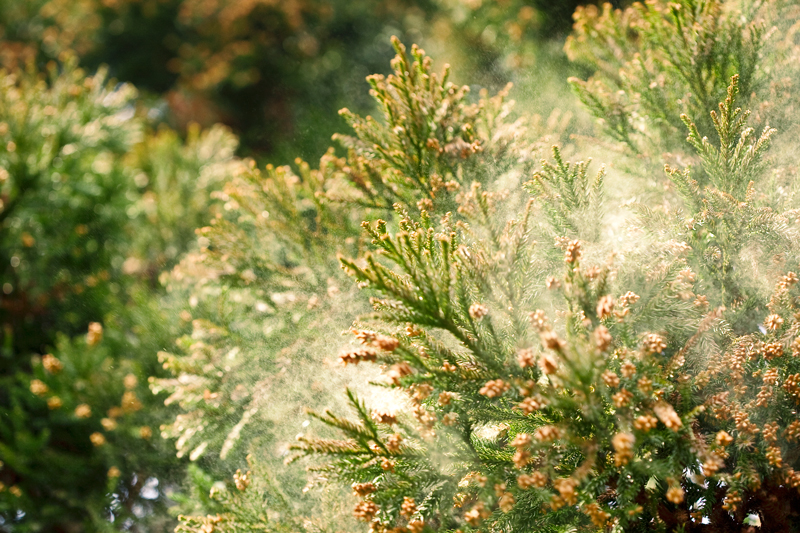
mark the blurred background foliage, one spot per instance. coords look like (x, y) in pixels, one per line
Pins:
(94, 206)
(277, 71)
(121, 121)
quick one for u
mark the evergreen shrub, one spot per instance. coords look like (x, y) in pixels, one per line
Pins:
(554, 355)
(93, 205)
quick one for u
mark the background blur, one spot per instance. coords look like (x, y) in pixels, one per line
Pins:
(276, 71)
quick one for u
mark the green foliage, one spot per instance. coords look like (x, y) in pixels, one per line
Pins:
(628, 404)
(252, 500)
(739, 158)
(86, 227)
(274, 72)
(606, 423)
(657, 60)
(267, 285)
(526, 355)
(176, 177)
(570, 197)
(727, 223)
(76, 128)
(417, 156)
(310, 216)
